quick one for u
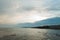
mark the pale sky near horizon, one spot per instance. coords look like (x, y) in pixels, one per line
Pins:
(21, 11)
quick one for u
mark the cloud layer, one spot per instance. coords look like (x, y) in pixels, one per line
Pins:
(20, 11)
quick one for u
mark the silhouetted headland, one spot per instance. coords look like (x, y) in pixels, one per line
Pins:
(48, 27)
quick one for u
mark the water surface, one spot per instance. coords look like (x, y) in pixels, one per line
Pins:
(29, 34)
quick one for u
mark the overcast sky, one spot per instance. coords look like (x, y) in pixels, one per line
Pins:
(21, 11)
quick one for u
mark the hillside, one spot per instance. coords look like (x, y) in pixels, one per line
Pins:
(49, 21)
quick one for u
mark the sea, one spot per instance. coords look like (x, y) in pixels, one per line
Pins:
(29, 34)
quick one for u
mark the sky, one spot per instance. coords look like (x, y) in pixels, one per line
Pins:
(22, 11)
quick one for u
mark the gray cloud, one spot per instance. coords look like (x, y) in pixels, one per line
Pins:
(7, 6)
(54, 5)
(23, 9)
(13, 10)
(28, 5)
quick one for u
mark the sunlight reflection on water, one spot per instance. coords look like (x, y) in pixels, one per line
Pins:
(34, 34)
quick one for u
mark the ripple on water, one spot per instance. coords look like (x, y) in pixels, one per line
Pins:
(35, 34)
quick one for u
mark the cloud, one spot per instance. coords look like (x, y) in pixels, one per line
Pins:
(8, 6)
(17, 11)
(54, 7)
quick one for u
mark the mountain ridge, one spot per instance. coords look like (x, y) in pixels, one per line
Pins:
(49, 21)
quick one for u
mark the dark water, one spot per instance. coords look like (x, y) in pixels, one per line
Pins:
(29, 34)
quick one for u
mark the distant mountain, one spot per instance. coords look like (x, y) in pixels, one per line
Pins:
(49, 21)
(25, 25)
